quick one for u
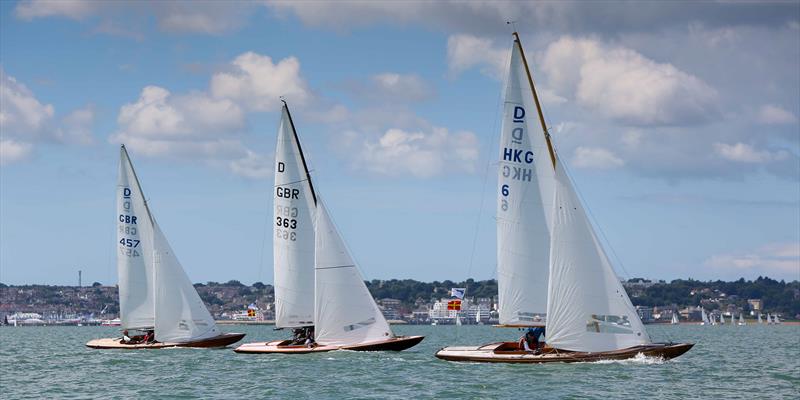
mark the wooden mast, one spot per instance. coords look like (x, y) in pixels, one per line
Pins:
(536, 101)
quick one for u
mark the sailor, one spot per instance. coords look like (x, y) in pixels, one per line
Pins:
(310, 339)
(537, 333)
(125, 338)
(149, 337)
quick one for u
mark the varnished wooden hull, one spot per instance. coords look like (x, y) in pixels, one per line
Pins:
(217, 341)
(284, 347)
(506, 352)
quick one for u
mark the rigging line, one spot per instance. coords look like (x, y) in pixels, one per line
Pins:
(489, 164)
(267, 222)
(594, 219)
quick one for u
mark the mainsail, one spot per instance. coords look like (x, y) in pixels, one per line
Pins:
(588, 309)
(524, 201)
(293, 242)
(134, 250)
(155, 291)
(345, 312)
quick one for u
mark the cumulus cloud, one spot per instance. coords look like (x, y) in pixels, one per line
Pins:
(782, 259)
(745, 153)
(25, 121)
(416, 153)
(467, 51)
(392, 87)
(595, 158)
(256, 82)
(775, 115)
(22, 114)
(208, 125)
(12, 151)
(179, 16)
(624, 85)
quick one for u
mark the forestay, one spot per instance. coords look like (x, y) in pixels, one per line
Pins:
(588, 309)
(345, 312)
(293, 241)
(134, 250)
(181, 315)
(525, 192)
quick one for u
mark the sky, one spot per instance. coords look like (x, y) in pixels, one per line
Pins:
(677, 120)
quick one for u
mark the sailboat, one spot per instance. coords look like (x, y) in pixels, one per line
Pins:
(741, 320)
(478, 317)
(675, 319)
(155, 294)
(587, 313)
(775, 319)
(721, 319)
(317, 282)
(704, 317)
(760, 321)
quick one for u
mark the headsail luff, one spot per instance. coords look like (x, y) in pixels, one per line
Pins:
(524, 202)
(345, 312)
(293, 241)
(134, 250)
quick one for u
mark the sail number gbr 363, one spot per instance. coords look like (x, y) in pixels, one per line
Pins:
(286, 216)
(128, 231)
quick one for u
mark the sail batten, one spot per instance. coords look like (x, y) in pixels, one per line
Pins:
(293, 241)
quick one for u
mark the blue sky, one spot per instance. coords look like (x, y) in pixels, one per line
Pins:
(679, 123)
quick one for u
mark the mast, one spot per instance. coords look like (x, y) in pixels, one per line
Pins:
(300, 149)
(536, 101)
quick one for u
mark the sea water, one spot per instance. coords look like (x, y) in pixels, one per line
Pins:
(727, 362)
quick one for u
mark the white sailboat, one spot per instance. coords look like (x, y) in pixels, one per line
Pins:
(775, 319)
(760, 321)
(741, 320)
(155, 294)
(721, 319)
(478, 317)
(675, 320)
(316, 269)
(704, 317)
(588, 315)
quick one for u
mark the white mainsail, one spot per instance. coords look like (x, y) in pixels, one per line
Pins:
(478, 316)
(760, 321)
(775, 319)
(150, 271)
(721, 319)
(675, 318)
(703, 317)
(741, 319)
(588, 309)
(134, 250)
(525, 193)
(293, 242)
(345, 312)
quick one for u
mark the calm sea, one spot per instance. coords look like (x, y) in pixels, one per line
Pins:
(728, 362)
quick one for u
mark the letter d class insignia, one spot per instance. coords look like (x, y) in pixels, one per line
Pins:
(281, 166)
(126, 192)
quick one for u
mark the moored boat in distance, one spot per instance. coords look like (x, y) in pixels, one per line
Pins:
(155, 294)
(588, 315)
(344, 314)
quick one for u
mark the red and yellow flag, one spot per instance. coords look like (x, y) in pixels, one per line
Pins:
(454, 305)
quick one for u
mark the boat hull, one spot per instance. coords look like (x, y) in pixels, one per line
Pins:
(507, 352)
(217, 341)
(285, 347)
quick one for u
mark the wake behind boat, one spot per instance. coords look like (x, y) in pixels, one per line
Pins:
(156, 296)
(549, 257)
(319, 290)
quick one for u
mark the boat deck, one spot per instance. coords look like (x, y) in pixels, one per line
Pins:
(116, 343)
(509, 352)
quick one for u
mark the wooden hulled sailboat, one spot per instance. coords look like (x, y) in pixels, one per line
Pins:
(155, 294)
(588, 315)
(316, 281)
